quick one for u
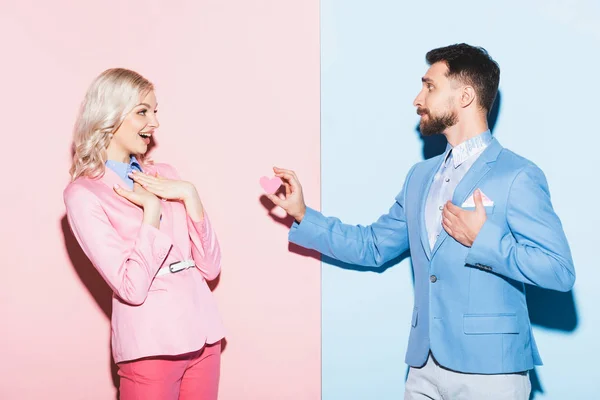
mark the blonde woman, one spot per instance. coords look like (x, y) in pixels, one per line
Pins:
(147, 233)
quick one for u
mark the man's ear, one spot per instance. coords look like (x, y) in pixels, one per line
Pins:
(467, 96)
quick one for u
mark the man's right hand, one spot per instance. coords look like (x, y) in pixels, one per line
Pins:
(293, 200)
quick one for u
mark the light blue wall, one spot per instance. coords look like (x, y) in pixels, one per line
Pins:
(373, 55)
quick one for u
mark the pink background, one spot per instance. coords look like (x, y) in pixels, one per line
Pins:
(238, 90)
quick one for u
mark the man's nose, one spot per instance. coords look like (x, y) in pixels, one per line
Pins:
(418, 102)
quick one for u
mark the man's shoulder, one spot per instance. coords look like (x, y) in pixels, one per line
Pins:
(509, 160)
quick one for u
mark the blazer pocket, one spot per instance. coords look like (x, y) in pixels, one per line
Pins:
(486, 324)
(488, 209)
(414, 318)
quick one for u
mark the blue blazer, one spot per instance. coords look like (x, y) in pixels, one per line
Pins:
(469, 304)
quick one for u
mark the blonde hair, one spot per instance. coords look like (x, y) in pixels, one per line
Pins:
(110, 97)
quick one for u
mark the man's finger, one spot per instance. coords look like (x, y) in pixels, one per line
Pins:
(288, 188)
(478, 200)
(285, 171)
(290, 179)
(452, 209)
(278, 170)
(446, 213)
(447, 222)
(276, 200)
(447, 229)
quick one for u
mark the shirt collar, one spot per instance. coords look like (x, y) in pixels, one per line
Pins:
(122, 169)
(468, 148)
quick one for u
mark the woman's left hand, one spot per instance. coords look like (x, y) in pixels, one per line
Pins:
(165, 188)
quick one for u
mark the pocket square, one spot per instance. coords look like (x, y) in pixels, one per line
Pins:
(470, 202)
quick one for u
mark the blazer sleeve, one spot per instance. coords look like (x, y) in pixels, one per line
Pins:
(206, 250)
(371, 245)
(128, 268)
(532, 247)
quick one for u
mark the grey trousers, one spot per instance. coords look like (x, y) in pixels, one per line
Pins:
(435, 382)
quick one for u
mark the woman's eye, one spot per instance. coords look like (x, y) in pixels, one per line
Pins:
(142, 112)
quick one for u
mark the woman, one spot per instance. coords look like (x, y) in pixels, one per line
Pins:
(147, 233)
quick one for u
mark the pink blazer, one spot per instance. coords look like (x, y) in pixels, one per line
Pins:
(152, 315)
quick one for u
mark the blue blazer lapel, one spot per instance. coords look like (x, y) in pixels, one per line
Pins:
(468, 184)
(427, 179)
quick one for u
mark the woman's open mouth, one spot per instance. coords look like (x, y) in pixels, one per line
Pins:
(145, 137)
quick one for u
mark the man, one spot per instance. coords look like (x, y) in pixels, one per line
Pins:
(479, 224)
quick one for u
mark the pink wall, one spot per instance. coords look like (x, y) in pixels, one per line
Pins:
(238, 87)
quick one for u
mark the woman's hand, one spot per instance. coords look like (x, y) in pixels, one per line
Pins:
(172, 189)
(142, 198)
(165, 188)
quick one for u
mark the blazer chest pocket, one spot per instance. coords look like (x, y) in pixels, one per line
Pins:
(488, 209)
(486, 324)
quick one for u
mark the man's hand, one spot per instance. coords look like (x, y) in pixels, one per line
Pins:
(463, 225)
(293, 200)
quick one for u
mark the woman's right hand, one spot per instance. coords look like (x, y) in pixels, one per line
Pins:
(143, 198)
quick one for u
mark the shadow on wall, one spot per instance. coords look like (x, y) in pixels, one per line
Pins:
(286, 221)
(94, 283)
(547, 308)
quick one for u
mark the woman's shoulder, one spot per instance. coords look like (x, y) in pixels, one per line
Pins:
(80, 189)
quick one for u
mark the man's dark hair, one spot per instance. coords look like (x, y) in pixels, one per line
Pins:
(471, 65)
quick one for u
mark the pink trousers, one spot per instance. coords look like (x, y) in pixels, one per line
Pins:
(183, 377)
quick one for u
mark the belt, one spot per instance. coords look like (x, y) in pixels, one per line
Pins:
(176, 267)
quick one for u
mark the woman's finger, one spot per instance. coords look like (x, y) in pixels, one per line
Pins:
(137, 177)
(160, 192)
(127, 194)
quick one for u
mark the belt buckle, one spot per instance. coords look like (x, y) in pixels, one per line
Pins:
(175, 270)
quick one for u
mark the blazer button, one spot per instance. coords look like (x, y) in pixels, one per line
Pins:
(433, 278)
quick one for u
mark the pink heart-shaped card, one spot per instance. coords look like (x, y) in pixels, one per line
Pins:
(271, 185)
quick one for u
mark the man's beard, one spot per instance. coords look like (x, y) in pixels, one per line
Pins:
(436, 124)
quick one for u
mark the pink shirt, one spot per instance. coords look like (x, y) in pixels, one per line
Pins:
(166, 315)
